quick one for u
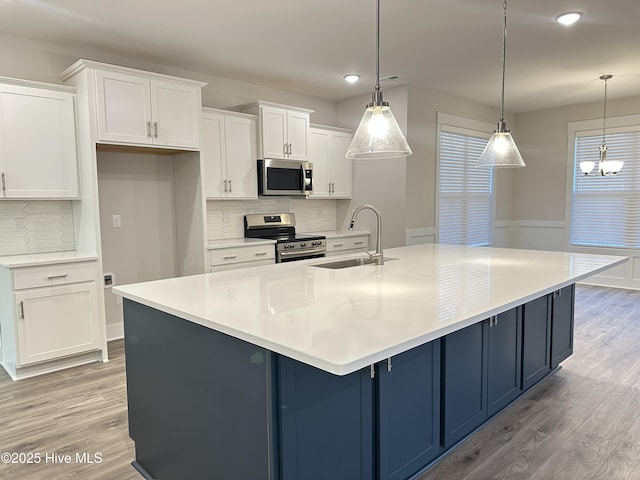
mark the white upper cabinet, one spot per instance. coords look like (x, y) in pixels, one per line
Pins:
(332, 171)
(142, 110)
(38, 152)
(134, 107)
(283, 131)
(229, 154)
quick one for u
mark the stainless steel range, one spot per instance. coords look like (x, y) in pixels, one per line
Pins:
(281, 227)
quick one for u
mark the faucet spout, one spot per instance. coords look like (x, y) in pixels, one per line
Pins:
(378, 257)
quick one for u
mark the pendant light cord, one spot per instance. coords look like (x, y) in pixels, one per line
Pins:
(504, 56)
(377, 45)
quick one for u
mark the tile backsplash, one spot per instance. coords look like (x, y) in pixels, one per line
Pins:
(225, 218)
(35, 226)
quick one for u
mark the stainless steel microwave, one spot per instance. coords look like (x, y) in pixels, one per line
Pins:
(284, 177)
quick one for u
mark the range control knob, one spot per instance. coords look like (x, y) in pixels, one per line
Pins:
(303, 244)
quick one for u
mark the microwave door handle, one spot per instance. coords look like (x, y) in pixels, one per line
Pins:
(302, 179)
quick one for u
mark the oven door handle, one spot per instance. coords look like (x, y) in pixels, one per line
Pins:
(302, 253)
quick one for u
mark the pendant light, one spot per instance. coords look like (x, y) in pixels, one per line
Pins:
(501, 150)
(612, 167)
(378, 134)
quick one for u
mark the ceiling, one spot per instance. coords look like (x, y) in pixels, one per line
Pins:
(306, 46)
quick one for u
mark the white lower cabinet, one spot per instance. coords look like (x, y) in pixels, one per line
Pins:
(241, 256)
(51, 315)
(56, 321)
(341, 245)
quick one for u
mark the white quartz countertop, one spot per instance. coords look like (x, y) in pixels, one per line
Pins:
(347, 319)
(238, 242)
(35, 259)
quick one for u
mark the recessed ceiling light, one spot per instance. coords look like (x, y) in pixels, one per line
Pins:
(568, 18)
(352, 77)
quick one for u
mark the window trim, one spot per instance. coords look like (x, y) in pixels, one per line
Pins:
(582, 128)
(464, 126)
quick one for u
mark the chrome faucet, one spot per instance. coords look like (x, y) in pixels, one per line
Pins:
(377, 257)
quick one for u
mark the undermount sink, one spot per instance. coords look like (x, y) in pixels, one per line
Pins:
(349, 262)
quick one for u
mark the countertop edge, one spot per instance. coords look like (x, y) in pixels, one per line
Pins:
(40, 259)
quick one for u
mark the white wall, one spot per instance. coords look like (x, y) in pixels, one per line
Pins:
(40, 61)
(540, 189)
(139, 188)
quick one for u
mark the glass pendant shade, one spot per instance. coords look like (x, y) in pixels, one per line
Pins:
(378, 136)
(586, 166)
(501, 151)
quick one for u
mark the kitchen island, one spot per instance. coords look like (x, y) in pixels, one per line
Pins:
(294, 371)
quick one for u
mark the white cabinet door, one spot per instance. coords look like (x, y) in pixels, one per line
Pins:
(297, 135)
(274, 132)
(175, 111)
(57, 321)
(229, 155)
(340, 166)
(38, 156)
(319, 156)
(124, 108)
(213, 155)
(147, 111)
(240, 147)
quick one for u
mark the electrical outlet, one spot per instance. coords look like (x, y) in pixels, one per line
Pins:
(116, 221)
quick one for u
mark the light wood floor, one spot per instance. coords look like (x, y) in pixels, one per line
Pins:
(583, 423)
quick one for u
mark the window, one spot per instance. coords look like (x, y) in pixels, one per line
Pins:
(465, 192)
(606, 210)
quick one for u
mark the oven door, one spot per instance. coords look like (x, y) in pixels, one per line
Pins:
(284, 177)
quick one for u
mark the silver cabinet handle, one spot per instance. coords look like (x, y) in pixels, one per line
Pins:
(285, 148)
(229, 257)
(338, 245)
(358, 243)
(230, 189)
(4, 186)
(53, 277)
(260, 254)
(21, 304)
(372, 371)
(149, 129)
(225, 186)
(155, 129)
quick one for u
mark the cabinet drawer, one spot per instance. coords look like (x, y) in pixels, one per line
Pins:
(224, 256)
(58, 274)
(347, 243)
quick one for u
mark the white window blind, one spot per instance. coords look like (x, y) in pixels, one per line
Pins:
(465, 209)
(606, 210)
